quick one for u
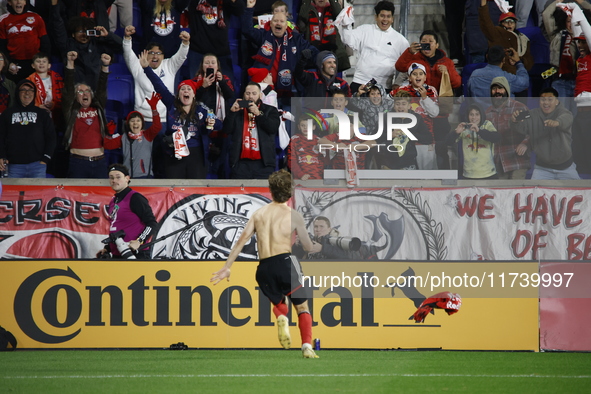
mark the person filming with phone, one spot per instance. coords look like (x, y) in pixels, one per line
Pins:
(89, 41)
(252, 127)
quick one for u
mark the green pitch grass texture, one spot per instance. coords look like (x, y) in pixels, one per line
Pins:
(285, 371)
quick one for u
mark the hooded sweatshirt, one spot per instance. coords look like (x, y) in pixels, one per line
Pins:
(27, 133)
(370, 112)
(315, 83)
(505, 155)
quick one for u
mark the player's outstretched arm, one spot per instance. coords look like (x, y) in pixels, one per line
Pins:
(224, 273)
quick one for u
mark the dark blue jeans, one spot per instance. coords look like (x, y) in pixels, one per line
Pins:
(80, 168)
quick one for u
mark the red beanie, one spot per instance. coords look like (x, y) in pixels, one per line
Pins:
(257, 74)
(189, 82)
(133, 114)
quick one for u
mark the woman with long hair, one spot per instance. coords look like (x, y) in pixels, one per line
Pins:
(216, 92)
(188, 127)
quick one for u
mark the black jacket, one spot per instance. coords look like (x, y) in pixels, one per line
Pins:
(267, 125)
(27, 134)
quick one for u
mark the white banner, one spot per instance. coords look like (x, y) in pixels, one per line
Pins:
(454, 224)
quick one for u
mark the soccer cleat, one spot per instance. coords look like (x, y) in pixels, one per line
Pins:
(283, 331)
(308, 352)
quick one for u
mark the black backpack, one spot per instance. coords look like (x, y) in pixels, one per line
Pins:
(6, 338)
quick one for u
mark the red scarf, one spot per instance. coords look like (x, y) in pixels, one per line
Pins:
(566, 64)
(41, 93)
(321, 25)
(275, 66)
(250, 138)
(133, 136)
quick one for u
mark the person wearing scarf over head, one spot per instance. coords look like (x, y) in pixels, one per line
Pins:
(189, 125)
(253, 127)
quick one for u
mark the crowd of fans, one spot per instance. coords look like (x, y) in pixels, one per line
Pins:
(200, 112)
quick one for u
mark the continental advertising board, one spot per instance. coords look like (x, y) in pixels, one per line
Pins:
(152, 304)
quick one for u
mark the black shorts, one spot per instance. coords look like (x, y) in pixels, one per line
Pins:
(279, 276)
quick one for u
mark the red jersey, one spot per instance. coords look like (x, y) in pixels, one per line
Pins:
(22, 33)
(583, 81)
(86, 133)
(338, 162)
(304, 157)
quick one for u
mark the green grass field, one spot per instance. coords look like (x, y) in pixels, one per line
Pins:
(278, 371)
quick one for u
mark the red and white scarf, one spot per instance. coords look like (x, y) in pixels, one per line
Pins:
(40, 87)
(180, 144)
(250, 138)
(133, 136)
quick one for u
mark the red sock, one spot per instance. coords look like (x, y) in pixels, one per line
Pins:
(280, 309)
(305, 325)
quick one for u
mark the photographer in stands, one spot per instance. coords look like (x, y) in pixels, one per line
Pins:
(129, 212)
(334, 247)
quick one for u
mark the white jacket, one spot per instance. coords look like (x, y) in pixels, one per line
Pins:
(378, 51)
(143, 87)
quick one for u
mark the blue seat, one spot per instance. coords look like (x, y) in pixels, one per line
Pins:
(539, 46)
(121, 88)
(119, 70)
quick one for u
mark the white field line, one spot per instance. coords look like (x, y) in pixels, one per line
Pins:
(353, 375)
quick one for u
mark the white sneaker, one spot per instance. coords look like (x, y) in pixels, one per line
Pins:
(283, 331)
(308, 352)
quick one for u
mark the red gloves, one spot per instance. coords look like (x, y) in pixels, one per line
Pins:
(153, 101)
(111, 127)
(451, 302)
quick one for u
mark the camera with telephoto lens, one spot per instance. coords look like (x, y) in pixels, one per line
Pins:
(346, 243)
(122, 246)
(372, 82)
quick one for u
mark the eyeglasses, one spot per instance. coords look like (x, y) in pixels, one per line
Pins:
(508, 22)
(81, 92)
(26, 90)
(154, 53)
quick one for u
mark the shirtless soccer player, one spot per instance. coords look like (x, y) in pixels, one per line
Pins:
(279, 274)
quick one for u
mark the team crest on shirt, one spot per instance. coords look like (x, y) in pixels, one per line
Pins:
(30, 20)
(211, 17)
(88, 121)
(163, 25)
(285, 77)
(267, 48)
(294, 50)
